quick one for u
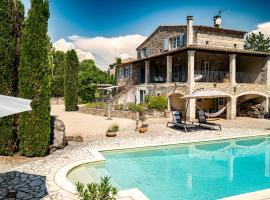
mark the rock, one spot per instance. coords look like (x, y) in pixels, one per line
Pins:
(70, 138)
(58, 135)
(78, 139)
(59, 125)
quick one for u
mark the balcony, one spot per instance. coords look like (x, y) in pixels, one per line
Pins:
(212, 76)
(244, 77)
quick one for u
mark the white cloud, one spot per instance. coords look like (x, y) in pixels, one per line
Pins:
(101, 49)
(63, 45)
(264, 28)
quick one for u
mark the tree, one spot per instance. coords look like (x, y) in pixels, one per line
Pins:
(89, 76)
(59, 62)
(71, 81)
(257, 42)
(34, 81)
(11, 16)
(117, 61)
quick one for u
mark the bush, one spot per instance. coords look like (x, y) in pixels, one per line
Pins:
(113, 128)
(71, 81)
(34, 81)
(93, 191)
(136, 107)
(99, 105)
(157, 102)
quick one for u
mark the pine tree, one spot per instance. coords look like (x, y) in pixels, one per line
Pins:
(71, 81)
(257, 42)
(11, 16)
(34, 81)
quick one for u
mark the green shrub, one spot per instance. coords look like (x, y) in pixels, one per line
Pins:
(136, 107)
(93, 191)
(10, 33)
(99, 105)
(34, 81)
(71, 81)
(113, 128)
(158, 103)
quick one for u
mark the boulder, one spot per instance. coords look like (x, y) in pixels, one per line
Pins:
(58, 136)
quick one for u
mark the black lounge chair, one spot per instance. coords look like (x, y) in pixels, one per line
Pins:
(204, 123)
(177, 121)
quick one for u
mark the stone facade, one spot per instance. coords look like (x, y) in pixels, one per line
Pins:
(219, 40)
(155, 42)
(213, 59)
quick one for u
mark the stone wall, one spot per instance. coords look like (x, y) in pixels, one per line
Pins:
(120, 113)
(219, 40)
(156, 40)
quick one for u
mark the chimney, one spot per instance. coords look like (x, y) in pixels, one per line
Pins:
(217, 21)
(189, 30)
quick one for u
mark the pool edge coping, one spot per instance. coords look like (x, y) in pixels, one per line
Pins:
(61, 180)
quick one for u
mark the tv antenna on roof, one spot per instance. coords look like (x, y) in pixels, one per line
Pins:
(220, 11)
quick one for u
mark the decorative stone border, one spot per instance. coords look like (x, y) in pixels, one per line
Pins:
(134, 193)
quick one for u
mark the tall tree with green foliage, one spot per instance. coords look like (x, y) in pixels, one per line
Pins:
(59, 62)
(71, 81)
(11, 16)
(34, 81)
(257, 42)
(89, 76)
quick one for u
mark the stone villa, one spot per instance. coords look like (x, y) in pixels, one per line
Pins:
(177, 60)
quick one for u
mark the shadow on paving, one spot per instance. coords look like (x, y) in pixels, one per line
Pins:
(20, 185)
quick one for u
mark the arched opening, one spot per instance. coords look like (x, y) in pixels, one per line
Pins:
(177, 103)
(252, 105)
(212, 105)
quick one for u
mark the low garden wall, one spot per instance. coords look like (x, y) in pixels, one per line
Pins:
(120, 113)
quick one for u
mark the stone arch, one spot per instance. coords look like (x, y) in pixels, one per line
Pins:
(243, 100)
(175, 102)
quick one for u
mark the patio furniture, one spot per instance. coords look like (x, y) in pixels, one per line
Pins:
(177, 121)
(204, 123)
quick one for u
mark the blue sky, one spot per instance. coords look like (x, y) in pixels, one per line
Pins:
(114, 18)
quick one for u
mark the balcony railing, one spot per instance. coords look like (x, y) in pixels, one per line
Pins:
(244, 77)
(211, 76)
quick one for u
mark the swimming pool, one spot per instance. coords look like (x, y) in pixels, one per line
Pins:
(194, 171)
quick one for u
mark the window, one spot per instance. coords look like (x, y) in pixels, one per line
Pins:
(235, 46)
(126, 72)
(207, 42)
(145, 52)
(121, 72)
(177, 41)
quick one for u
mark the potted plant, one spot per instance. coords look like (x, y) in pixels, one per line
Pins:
(144, 127)
(112, 130)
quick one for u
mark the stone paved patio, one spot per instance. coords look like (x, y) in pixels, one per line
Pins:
(34, 179)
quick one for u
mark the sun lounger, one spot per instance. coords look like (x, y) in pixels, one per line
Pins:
(177, 121)
(204, 123)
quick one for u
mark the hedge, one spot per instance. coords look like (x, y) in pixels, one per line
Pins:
(71, 81)
(34, 81)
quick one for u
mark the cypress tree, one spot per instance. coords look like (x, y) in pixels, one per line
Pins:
(71, 81)
(34, 81)
(11, 16)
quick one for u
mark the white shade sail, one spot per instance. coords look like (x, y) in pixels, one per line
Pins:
(200, 94)
(13, 105)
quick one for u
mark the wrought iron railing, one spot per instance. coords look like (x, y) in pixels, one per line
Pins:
(244, 77)
(211, 76)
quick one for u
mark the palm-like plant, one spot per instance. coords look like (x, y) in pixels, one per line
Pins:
(93, 191)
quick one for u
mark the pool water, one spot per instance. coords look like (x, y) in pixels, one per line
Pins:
(195, 171)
